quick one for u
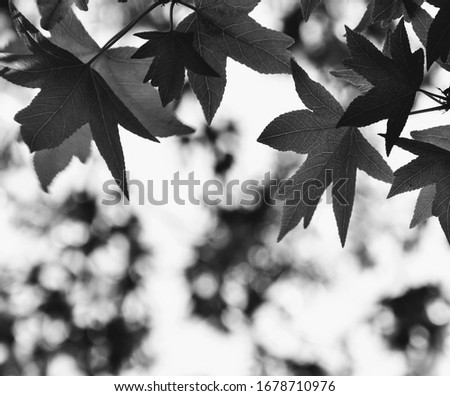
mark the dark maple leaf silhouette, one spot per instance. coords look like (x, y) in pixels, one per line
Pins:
(224, 29)
(430, 171)
(72, 95)
(173, 52)
(396, 80)
(438, 44)
(123, 75)
(334, 155)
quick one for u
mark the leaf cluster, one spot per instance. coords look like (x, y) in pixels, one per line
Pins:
(87, 92)
(388, 80)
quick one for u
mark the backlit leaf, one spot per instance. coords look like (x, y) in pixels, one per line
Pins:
(224, 29)
(438, 43)
(173, 52)
(430, 172)
(334, 155)
(396, 80)
(49, 163)
(72, 94)
(54, 11)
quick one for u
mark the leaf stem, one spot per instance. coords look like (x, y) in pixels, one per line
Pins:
(437, 98)
(124, 31)
(197, 10)
(172, 6)
(442, 107)
(193, 8)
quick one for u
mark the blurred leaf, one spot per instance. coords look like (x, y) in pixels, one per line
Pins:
(308, 7)
(411, 312)
(54, 11)
(386, 10)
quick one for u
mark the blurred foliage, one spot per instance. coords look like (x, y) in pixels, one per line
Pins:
(236, 266)
(419, 328)
(219, 141)
(86, 303)
(270, 365)
(411, 318)
(316, 39)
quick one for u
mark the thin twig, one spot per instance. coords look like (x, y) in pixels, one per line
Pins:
(124, 31)
(437, 98)
(442, 107)
(172, 6)
(194, 8)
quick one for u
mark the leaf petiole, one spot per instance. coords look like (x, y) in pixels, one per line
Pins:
(172, 6)
(199, 12)
(442, 107)
(124, 31)
(193, 8)
(432, 94)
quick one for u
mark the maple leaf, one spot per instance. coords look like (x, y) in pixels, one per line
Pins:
(334, 155)
(437, 3)
(440, 137)
(224, 29)
(421, 22)
(430, 171)
(49, 163)
(72, 94)
(173, 52)
(351, 77)
(438, 44)
(366, 19)
(54, 11)
(123, 75)
(424, 206)
(396, 80)
(386, 10)
(308, 7)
